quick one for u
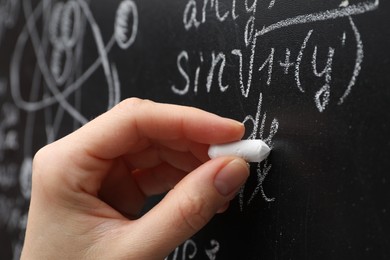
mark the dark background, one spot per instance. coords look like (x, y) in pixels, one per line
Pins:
(326, 194)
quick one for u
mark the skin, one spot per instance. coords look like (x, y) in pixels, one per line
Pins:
(89, 187)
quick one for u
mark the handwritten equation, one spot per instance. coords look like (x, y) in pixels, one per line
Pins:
(190, 250)
(254, 74)
(54, 34)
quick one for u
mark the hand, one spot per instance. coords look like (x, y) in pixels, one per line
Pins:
(89, 187)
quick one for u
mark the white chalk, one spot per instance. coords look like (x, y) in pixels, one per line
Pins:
(249, 150)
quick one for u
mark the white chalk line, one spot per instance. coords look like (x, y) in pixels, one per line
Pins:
(299, 60)
(351, 10)
(359, 61)
(51, 84)
(16, 61)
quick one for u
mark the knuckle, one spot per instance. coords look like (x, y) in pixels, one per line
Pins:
(132, 103)
(44, 169)
(193, 211)
(40, 160)
(40, 170)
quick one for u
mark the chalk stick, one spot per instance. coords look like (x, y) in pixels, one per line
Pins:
(249, 150)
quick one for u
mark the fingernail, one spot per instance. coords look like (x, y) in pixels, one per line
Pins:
(231, 177)
(235, 122)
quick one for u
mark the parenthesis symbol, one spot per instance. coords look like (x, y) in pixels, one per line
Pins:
(358, 63)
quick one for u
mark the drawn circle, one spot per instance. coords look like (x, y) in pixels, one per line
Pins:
(64, 25)
(30, 35)
(126, 24)
(70, 34)
(61, 65)
(54, 26)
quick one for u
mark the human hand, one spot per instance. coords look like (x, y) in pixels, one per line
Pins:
(89, 187)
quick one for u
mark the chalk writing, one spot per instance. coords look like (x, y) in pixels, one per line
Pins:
(53, 33)
(51, 36)
(212, 252)
(262, 168)
(194, 17)
(322, 96)
(189, 250)
(123, 23)
(65, 33)
(61, 39)
(251, 36)
(218, 64)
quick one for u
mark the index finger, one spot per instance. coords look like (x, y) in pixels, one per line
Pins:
(121, 129)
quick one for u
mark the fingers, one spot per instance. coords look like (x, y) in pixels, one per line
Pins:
(120, 190)
(126, 191)
(120, 130)
(189, 206)
(132, 127)
(150, 172)
(153, 156)
(158, 180)
(85, 158)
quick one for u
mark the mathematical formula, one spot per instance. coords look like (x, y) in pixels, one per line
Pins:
(55, 33)
(205, 72)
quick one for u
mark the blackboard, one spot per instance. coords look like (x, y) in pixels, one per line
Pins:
(310, 77)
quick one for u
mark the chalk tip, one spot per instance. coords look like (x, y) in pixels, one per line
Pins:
(264, 152)
(249, 150)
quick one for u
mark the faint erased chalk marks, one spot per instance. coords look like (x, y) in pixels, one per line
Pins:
(9, 14)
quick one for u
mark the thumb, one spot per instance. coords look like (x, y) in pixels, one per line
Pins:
(190, 205)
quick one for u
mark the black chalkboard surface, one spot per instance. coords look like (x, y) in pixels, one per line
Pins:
(311, 78)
